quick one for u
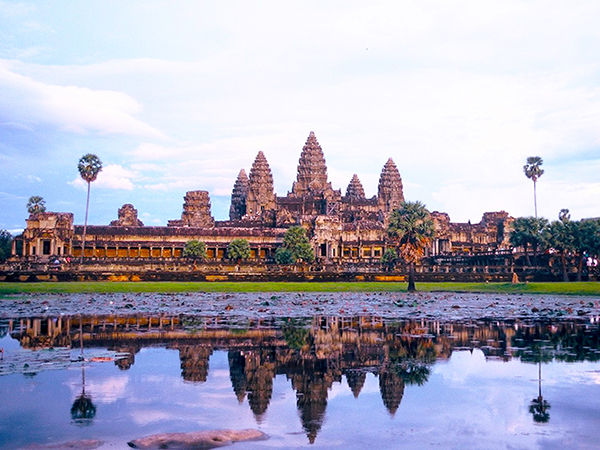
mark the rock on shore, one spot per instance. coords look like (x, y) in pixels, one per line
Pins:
(197, 440)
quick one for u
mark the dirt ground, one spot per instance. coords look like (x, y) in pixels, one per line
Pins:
(440, 306)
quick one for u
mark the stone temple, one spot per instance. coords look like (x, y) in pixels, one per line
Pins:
(343, 227)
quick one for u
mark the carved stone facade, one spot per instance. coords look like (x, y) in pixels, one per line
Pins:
(128, 217)
(239, 196)
(390, 192)
(261, 194)
(355, 189)
(196, 211)
(343, 228)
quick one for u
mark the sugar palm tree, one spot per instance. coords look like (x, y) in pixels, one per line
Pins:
(36, 204)
(529, 232)
(533, 170)
(411, 229)
(89, 167)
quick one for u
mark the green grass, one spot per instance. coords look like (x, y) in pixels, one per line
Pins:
(585, 288)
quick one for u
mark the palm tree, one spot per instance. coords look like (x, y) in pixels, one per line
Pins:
(36, 204)
(586, 241)
(529, 232)
(561, 238)
(89, 166)
(411, 229)
(533, 170)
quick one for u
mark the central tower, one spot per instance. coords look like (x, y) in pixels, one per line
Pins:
(312, 171)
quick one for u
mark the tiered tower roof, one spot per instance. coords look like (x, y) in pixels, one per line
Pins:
(312, 170)
(196, 210)
(355, 189)
(390, 193)
(261, 194)
(239, 196)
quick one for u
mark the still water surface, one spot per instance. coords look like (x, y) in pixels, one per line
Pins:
(322, 382)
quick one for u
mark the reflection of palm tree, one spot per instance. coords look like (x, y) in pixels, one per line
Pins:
(83, 410)
(539, 406)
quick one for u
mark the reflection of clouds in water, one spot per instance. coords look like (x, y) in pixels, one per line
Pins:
(109, 390)
(106, 390)
(578, 376)
(144, 417)
(464, 365)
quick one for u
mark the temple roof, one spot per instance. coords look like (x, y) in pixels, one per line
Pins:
(390, 191)
(238, 196)
(355, 188)
(312, 170)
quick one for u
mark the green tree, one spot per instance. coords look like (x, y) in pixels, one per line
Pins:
(284, 256)
(195, 249)
(586, 241)
(529, 232)
(560, 238)
(89, 167)
(389, 258)
(411, 229)
(533, 170)
(238, 249)
(36, 204)
(296, 243)
(5, 245)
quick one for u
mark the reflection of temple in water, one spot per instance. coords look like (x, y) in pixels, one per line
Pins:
(312, 353)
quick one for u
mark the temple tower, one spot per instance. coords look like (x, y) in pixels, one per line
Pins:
(239, 196)
(261, 195)
(128, 217)
(355, 189)
(390, 193)
(312, 171)
(196, 211)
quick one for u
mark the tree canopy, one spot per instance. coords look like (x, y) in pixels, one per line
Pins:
(411, 229)
(89, 167)
(533, 170)
(5, 245)
(238, 249)
(195, 249)
(529, 233)
(36, 204)
(296, 247)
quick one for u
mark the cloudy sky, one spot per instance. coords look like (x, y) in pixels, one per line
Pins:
(180, 95)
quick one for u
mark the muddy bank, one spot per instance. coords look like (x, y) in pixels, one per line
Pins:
(446, 306)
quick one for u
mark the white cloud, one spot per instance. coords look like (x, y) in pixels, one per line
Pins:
(112, 176)
(30, 104)
(457, 94)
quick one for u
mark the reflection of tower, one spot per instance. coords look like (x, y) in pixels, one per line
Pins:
(356, 381)
(391, 386)
(125, 362)
(194, 362)
(539, 406)
(260, 371)
(237, 374)
(252, 372)
(311, 388)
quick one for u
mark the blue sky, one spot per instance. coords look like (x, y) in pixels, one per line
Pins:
(178, 96)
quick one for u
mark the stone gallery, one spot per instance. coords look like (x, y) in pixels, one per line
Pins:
(342, 227)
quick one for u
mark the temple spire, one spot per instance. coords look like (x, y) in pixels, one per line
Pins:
(390, 193)
(239, 196)
(261, 194)
(312, 170)
(355, 189)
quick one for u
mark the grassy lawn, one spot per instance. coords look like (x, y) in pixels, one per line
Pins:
(586, 288)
